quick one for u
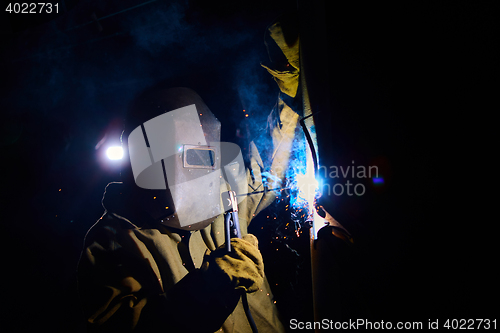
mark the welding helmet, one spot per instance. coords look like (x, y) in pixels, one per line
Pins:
(178, 163)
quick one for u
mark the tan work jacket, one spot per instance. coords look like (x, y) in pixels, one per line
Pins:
(145, 277)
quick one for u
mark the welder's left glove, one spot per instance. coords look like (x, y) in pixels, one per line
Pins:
(242, 268)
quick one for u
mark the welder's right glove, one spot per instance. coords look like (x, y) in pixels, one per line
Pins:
(242, 268)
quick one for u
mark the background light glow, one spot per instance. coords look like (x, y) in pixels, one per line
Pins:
(115, 153)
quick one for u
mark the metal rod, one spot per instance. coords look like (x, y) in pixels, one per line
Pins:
(227, 227)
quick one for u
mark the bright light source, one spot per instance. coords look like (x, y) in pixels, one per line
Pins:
(115, 153)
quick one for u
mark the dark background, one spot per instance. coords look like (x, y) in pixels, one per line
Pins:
(411, 89)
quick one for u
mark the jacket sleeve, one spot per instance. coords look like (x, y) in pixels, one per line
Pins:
(119, 290)
(282, 135)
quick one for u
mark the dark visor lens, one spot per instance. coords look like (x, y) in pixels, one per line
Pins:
(199, 157)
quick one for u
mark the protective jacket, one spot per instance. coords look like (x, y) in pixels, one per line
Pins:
(135, 274)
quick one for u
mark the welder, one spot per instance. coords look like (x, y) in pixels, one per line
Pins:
(156, 260)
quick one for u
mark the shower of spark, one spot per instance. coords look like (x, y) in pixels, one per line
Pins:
(309, 190)
(303, 188)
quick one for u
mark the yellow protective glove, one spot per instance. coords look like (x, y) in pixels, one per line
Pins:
(242, 268)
